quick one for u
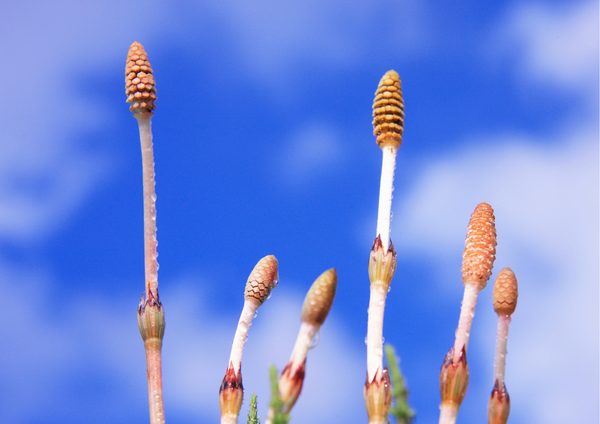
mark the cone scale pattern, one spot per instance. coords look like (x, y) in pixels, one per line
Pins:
(506, 292)
(480, 246)
(140, 87)
(263, 279)
(388, 110)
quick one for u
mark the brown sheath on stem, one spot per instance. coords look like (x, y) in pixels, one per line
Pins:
(231, 393)
(378, 397)
(499, 405)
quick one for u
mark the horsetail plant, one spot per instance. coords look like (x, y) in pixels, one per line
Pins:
(263, 278)
(506, 292)
(388, 123)
(478, 261)
(141, 94)
(315, 309)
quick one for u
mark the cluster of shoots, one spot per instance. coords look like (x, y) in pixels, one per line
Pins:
(385, 391)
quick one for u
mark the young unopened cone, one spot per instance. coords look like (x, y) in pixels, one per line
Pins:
(316, 307)
(505, 297)
(263, 278)
(478, 260)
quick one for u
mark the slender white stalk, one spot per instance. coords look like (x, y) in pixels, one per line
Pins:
(375, 330)
(448, 413)
(501, 341)
(386, 188)
(150, 243)
(306, 334)
(467, 312)
(229, 419)
(241, 333)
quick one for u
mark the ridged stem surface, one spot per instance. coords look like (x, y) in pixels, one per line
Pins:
(150, 243)
(386, 188)
(241, 333)
(306, 334)
(153, 368)
(467, 312)
(448, 413)
(375, 329)
(501, 342)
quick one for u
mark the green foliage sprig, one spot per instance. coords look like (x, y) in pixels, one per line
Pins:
(400, 410)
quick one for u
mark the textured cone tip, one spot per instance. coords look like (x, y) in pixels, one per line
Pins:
(498, 405)
(480, 246)
(263, 278)
(388, 111)
(454, 378)
(290, 385)
(140, 87)
(231, 392)
(319, 298)
(506, 292)
(378, 396)
(382, 264)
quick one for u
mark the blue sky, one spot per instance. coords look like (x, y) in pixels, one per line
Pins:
(263, 145)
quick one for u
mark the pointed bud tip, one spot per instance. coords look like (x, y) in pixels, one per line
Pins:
(498, 405)
(378, 396)
(290, 385)
(231, 392)
(382, 264)
(388, 111)
(151, 317)
(454, 377)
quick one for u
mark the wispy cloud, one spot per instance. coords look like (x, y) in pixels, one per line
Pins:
(545, 193)
(555, 44)
(310, 152)
(546, 206)
(91, 343)
(49, 106)
(274, 37)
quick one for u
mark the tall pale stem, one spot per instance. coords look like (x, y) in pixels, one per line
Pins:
(375, 330)
(501, 341)
(150, 243)
(153, 368)
(467, 312)
(241, 332)
(386, 188)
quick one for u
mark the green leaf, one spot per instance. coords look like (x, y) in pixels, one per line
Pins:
(253, 417)
(276, 403)
(403, 413)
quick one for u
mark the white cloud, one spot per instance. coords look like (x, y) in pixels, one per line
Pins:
(545, 194)
(200, 344)
(311, 151)
(94, 338)
(47, 171)
(274, 37)
(556, 44)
